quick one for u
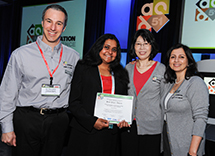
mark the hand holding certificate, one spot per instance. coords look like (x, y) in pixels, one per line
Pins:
(114, 108)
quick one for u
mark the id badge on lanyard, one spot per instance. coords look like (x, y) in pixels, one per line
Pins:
(50, 89)
(112, 92)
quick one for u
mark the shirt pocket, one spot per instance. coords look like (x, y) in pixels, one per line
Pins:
(69, 70)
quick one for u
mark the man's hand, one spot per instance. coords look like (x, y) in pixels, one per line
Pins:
(101, 123)
(9, 138)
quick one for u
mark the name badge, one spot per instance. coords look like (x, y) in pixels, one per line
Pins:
(50, 90)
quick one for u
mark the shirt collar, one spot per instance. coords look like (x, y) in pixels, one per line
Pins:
(45, 47)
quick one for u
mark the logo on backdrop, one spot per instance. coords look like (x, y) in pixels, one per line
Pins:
(153, 15)
(33, 32)
(37, 29)
(205, 10)
(210, 82)
(69, 41)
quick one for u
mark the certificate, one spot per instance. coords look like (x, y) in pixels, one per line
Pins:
(113, 107)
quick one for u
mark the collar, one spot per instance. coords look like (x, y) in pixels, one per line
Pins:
(45, 47)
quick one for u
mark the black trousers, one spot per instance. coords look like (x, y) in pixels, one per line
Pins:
(209, 148)
(39, 135)
(166, 147)
(104, 142)
(139, 145)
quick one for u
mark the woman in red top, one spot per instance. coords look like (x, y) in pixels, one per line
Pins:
(99, 71)
(144, 136)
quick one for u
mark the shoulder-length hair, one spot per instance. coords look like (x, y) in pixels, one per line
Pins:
(92, 58)
(147, 36)
(192, 70)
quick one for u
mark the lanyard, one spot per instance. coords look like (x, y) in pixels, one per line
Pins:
(113, 85)
(112, 91)
(51, 74)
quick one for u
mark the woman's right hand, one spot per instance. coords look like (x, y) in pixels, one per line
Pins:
(122, 124)
(101, 123)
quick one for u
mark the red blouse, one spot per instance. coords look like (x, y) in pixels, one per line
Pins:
(106, 84)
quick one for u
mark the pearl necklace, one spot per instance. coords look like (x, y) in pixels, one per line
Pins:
(178, 81)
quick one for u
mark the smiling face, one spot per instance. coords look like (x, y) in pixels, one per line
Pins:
(178, 60)
(109, 51)
(142, 48)
(53, 26)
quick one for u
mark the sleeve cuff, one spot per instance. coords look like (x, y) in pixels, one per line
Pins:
(7, 127)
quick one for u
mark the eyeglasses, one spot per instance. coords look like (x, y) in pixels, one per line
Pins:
(140, 45)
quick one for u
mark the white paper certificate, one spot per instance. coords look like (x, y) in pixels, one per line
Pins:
(113, 107)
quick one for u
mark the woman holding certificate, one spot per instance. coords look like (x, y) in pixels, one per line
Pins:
(99, 72)
(144, 136)
(185, 102)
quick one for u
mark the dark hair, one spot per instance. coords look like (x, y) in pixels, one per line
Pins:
(93, 58)
(192, 70)
(56, 7)
(147, 36)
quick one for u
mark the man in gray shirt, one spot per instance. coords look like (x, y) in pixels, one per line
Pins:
(35, 89)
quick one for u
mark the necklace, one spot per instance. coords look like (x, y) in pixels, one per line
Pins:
(178, 81)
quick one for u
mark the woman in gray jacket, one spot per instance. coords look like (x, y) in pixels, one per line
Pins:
(185, 102)
(144, 135)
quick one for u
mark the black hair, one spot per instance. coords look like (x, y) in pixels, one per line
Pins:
(192, 70)
(56, 7)
(147, 36)
(93, 58)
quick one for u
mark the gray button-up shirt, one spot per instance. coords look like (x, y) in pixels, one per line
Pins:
(26, 72)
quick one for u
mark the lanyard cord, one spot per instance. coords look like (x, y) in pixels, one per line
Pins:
(51, 74)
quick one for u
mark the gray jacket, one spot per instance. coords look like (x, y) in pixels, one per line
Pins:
(147, 109)
(186, 113)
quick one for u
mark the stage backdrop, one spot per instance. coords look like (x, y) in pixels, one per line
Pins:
(73, 36)
(198, 25)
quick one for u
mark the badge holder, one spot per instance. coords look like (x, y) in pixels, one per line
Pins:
(110, 126)
(50, 89)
